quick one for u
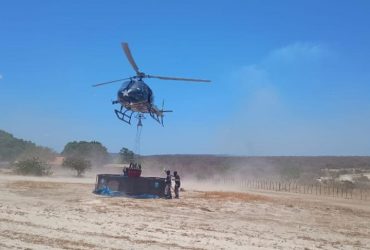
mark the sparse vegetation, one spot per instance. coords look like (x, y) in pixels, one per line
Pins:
(290, 172)
(273, 168)
(33, 166)
(78, 164)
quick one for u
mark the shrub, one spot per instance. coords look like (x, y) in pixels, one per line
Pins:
(78, 164)
(33, 166)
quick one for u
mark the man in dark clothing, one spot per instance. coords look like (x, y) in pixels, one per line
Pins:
(168, 182)
(177, 184)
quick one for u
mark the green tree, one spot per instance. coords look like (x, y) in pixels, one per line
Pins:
(93, 151)
(33, 166)
(42, 153)
(78, 164)
(126, 155)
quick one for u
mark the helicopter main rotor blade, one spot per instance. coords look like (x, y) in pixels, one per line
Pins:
(177, 78)
(103, 83)
(127, 51)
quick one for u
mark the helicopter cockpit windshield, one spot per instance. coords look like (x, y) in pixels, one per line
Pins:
(135, 91)
(125, 84)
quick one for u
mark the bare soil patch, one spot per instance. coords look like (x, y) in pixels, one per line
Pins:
(62, 213)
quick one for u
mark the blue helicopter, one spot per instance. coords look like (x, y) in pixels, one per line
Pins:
(135, 96)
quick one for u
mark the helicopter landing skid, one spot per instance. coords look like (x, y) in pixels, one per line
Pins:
(124, 116)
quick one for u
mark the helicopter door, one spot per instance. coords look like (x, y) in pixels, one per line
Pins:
(150, 96)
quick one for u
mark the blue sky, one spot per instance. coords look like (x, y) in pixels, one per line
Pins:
(288, 77)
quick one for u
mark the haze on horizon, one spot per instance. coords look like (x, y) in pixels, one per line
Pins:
(288, 77)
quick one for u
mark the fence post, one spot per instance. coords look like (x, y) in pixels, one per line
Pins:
(333, 189)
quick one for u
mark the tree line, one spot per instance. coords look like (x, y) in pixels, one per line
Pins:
(28, 158)
(12, 149)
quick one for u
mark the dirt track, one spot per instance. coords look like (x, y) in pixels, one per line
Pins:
(58, 213)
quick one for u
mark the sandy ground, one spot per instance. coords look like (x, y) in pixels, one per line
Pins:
(62, 213)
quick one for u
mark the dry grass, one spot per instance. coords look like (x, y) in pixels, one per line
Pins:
(35, 185)
(233, 196)
(45, 185)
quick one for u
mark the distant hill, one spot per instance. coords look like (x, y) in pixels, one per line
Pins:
(12, 148)
(203, 166)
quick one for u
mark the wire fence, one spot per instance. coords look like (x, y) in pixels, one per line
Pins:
(334, 189)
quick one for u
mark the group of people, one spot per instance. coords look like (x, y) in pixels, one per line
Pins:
(135, 165)
(168, 187)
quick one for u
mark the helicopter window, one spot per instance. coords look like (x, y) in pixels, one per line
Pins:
(125, 84)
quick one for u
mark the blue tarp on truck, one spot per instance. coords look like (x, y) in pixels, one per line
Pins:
(136, 187)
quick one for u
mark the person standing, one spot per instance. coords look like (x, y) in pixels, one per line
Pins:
(177, 184)
(168, 182)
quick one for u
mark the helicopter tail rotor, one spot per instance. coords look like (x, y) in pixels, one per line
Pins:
(164, 111)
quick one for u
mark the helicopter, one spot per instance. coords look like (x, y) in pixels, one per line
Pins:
(135, 96)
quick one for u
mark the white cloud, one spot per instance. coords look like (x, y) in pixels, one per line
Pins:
(258, 91)
(263, 121)
(298, 51)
